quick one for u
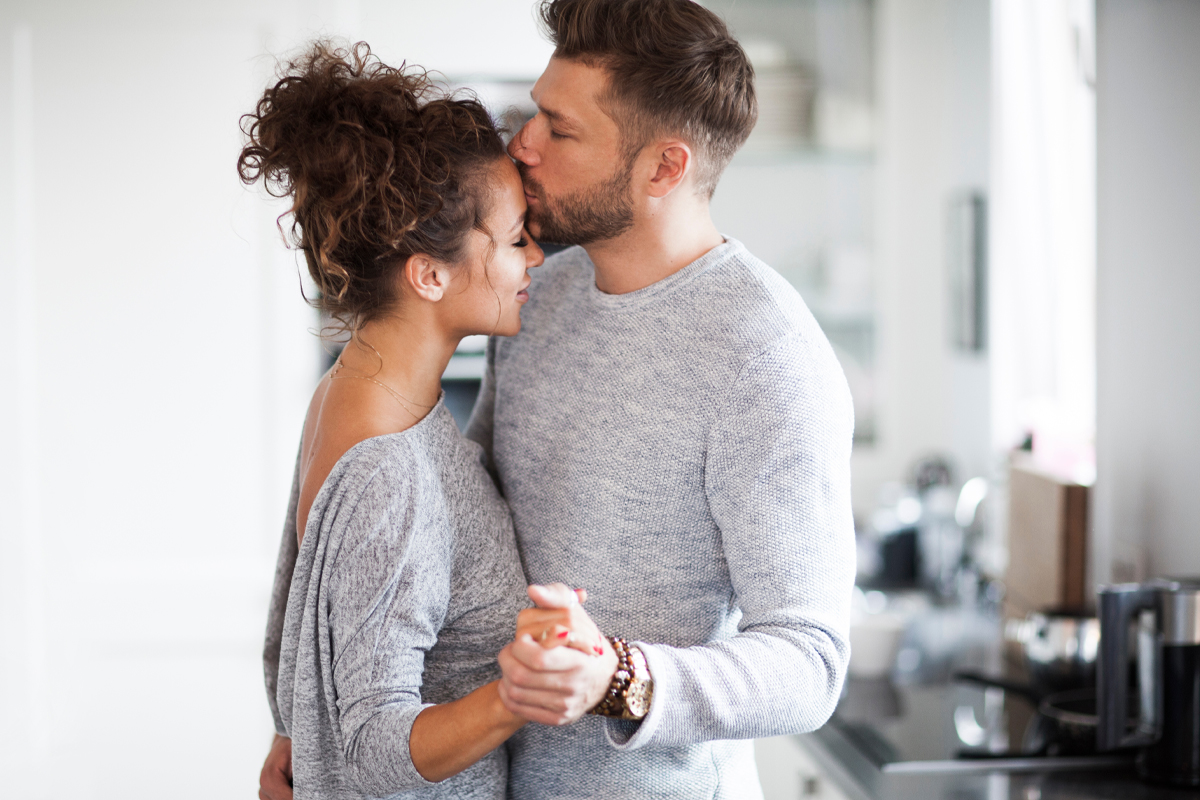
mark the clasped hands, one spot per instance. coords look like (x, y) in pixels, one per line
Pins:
(558, 665)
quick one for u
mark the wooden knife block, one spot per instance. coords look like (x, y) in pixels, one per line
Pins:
(1047, 541)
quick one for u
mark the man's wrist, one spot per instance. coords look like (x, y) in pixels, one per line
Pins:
(631, 688)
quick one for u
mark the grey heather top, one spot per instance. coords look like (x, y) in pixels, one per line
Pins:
(406, 586)
(683, 452)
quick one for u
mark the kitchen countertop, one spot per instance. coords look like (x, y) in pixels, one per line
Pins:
(895, 738)
(845, 763)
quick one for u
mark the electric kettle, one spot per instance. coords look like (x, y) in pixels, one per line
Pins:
(1166, 613)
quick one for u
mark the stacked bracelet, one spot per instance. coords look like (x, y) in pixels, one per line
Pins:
(613, 703)
(629, 693)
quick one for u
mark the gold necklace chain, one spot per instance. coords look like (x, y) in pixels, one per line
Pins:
(399, 398)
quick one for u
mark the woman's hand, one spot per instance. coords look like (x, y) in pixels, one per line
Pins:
(554, 685)
(275, 781)
(567, 625)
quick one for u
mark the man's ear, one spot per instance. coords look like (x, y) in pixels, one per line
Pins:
(674, 164)
(425, 276)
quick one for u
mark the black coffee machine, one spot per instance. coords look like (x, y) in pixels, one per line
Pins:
(1166, 613)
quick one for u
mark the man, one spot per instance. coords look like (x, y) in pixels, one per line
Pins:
(670, 428)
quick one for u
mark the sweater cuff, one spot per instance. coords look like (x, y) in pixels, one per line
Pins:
(629, 734)
(383, 759)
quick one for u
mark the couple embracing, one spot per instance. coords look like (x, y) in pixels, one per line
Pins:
(640, 556)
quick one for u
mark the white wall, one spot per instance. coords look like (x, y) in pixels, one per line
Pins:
(156, 366)
(931, 93)
(932, 78)
(1147, 507)
(969, 121)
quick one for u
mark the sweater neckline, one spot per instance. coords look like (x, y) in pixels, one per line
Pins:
(640, 297)
(434, 418)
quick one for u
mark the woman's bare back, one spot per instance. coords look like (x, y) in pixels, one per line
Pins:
(342, 413)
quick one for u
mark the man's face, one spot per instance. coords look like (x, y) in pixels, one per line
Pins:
(574, 169)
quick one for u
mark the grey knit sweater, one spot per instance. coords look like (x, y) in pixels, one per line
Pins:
(683, 452)
(406, 586)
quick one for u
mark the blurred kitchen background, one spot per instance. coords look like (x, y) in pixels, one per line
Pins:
(991, 206)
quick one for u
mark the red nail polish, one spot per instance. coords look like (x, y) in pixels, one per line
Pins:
(599, 651)
(562, 634)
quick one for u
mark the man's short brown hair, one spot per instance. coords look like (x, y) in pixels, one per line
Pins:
(673, 68)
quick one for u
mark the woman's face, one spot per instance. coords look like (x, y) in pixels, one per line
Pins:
(495, 287)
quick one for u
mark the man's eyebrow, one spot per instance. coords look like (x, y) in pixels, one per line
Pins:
(556, 116)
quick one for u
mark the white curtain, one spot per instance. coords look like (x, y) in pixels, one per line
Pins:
(1043, 230)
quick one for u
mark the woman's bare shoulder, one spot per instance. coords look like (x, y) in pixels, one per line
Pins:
(342, 414)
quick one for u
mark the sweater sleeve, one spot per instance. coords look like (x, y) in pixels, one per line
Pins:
(388, 593)
(285, 565)
(777, 481)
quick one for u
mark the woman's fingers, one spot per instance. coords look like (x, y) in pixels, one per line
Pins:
(587, 647)
(564, 632)
(560, 620)
(551, 636)
(541, 626)
(562, 636)
(584, 643)
(543, 616)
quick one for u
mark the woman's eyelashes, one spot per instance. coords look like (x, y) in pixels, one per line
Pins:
(522, 242)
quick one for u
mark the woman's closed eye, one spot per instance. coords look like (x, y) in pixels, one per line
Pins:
(522, 242)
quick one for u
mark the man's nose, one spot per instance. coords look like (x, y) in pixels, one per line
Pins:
(517, 147)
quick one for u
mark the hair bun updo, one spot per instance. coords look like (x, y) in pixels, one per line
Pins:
(380, 164)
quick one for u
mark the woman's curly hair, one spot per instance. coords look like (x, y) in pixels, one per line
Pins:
(380, 165)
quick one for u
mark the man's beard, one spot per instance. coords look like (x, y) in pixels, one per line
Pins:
(584, 216)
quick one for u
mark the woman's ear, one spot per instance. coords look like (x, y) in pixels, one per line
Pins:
(426, 277)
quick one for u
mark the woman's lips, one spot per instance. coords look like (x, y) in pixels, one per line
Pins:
(523, 295)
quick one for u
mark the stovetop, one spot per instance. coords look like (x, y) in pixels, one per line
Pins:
(945, 727)
(902, 738)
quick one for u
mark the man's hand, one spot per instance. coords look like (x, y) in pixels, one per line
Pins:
(553, 686)
(559, 620)
(275, 780)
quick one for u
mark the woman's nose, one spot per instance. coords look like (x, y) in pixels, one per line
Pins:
(535, 256)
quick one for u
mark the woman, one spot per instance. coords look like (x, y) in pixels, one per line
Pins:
(398, 579)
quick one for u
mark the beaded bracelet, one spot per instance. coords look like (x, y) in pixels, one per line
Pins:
(632, 687)
(613, 704)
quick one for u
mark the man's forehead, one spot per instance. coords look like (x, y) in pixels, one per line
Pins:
(569, 90)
